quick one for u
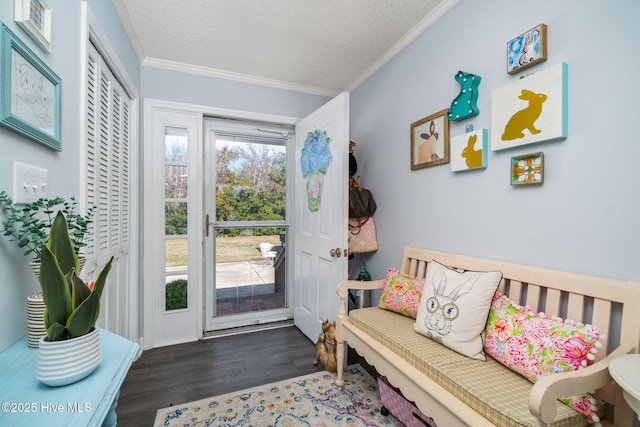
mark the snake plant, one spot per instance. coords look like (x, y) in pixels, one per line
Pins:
(72, 306)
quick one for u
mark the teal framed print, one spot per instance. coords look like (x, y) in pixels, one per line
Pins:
(31, 93)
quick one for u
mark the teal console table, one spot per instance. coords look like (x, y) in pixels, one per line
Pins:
(89, 402)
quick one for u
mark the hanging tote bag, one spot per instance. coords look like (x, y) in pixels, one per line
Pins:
(361, 203)
(362, 235)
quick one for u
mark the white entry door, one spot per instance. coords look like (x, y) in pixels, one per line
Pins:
(172, 227)
(321, 209)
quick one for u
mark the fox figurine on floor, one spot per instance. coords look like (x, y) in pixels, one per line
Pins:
(327, 356)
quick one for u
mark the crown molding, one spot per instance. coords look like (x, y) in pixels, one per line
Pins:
(228, 75)
(416, 31)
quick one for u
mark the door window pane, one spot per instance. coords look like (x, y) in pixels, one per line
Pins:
(175, 182)
(246, 196)
(250, 181)
(176, 294)
(250, 270)
(176, 273)
(175, 217)
(175, 145)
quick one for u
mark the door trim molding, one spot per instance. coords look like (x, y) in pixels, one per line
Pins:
(148, 276)
(225, 113)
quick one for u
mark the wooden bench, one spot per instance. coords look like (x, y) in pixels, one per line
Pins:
(610, 304)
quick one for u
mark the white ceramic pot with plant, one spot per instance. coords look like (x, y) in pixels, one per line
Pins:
(29, 225)
(71, 349)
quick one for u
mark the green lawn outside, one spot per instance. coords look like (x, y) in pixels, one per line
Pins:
(228, 249)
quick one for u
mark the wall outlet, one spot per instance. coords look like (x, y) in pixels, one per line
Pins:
(29, 183)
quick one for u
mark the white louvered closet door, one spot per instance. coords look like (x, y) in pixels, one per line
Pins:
(107, 185)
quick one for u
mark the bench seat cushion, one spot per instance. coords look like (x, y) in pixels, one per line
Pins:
(489, 388)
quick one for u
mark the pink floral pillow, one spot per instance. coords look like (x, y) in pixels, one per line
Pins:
(534, 345)
(401, 293)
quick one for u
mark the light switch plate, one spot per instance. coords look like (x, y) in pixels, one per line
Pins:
(29, 183)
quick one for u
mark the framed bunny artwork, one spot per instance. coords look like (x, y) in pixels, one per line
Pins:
(430, 140)
(530, 110)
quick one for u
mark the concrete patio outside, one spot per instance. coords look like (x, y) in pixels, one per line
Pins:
(244, 273)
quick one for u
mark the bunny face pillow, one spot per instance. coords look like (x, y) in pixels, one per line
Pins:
(454, 307)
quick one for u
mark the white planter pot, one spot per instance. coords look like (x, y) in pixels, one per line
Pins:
(65, 362)
(35, 320)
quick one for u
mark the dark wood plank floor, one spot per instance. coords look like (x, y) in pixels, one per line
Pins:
(182, 373)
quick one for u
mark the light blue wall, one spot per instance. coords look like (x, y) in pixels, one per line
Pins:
(212, 92)
(586, 215)
(67, 61)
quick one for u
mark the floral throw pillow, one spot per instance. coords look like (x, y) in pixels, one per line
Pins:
(401, 293)
(534, 345)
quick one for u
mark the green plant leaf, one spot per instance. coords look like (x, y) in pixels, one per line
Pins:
(102, 278)
(55, 290)
(79, 290)
(47, 323)
(60, 244)
(84, 317)
(56, 332)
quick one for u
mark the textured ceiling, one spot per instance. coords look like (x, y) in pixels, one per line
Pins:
(317, 46)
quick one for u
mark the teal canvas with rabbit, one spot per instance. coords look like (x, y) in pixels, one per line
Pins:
(531, 109)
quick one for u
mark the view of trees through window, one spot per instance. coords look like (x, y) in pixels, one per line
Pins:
(250, 184)
(250, 199)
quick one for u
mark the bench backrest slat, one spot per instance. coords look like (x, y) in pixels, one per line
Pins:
(533, 296)
(575, 308)
(602, 318)
(610, 304)
(515, 291)
(552, 303)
